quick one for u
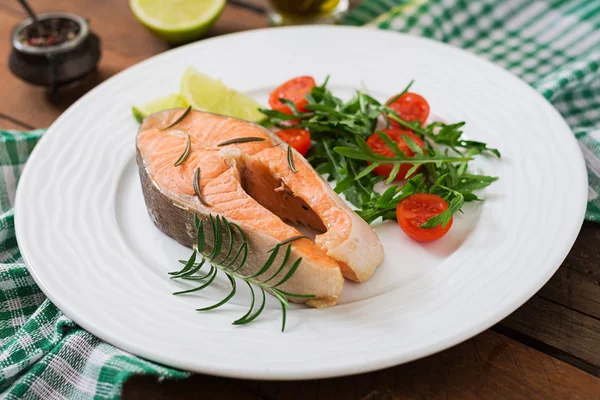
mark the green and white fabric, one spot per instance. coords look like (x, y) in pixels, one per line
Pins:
(554, 45)
(43, 354)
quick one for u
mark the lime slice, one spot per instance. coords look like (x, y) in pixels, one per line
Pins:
(163, 103)
(177, 21)
(207, 94)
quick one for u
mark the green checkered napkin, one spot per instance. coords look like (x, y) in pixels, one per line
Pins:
(43, 354)
(553, 45)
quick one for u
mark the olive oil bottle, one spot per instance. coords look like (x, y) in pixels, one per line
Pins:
(292, 12)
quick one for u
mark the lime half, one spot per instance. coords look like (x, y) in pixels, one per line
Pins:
(207, 94)
(177, 21)
(163, 103)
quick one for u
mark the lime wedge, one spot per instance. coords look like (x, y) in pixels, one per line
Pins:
(207, 94)
(163, 103)
(177, 21)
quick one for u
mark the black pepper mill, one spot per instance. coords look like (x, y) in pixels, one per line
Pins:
(53, 49)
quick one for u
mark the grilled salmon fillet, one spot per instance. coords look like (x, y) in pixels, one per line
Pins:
(251, 184)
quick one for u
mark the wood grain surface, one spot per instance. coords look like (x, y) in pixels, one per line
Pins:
(549, 348)
(489, 366)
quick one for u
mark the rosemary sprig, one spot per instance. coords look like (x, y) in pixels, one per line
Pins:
(222, 228)
(197, 187)
(241, 140)
(181, 118)
(185, 153)
(290, 159)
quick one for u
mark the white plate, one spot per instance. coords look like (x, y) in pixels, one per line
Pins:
(84, 232)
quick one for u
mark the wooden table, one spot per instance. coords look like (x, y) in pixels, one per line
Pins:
(549, 348)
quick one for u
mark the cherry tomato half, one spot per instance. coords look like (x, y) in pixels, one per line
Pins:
(410, 107)
(378, 146)
(294, 90)
(298, 138)
(415, 210)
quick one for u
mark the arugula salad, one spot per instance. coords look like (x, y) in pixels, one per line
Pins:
(424, 167)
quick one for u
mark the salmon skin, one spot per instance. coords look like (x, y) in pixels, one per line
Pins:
(252, 185)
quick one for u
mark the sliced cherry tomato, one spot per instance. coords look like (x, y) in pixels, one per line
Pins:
(298, 138)
(415, 210)
(294, 90)
(378, 146)
(410, 107)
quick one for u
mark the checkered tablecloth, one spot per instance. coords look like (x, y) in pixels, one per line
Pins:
(43, 354)
(553, 45)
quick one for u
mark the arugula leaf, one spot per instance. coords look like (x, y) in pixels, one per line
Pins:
(396, 97)
(442, 219)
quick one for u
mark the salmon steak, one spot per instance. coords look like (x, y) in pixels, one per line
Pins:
(252, 185)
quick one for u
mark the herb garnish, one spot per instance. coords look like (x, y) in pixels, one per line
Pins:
(242, 140)
(339, 130)
(222, 228)
(181, 118)
(290, 159)
(292, 239)
(186, 152)
(396, 97)
(196, 184)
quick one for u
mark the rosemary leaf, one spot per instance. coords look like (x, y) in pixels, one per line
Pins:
(288, 252)
(181, 118)
(230, 239)
(283, 316)
(277, 293)
(243, 318)
(218, 237)
(243, 247)
(192, 271)
(189, 265)
(196, 277)
(290, 273)
(212, 273)
(225, 300)
(289, 240)
(199, 234)
(267, 264)
(290, 159)
(300, 296)
(241, 140)
(197, 187)
(186, 152)
(256, 314)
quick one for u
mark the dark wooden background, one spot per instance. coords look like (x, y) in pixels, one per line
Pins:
(549, 348)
